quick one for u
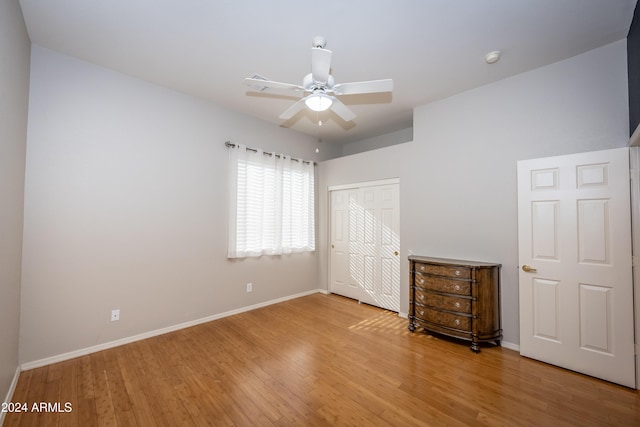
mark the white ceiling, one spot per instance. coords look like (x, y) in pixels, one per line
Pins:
(430, 48)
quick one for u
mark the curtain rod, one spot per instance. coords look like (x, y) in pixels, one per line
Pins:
(230, 144)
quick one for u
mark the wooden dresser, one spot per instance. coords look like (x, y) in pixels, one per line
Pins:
(457, 298)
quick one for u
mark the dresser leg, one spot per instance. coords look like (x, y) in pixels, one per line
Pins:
(475, 347)
(411, 327)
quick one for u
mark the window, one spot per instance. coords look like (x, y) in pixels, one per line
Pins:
(271, 206)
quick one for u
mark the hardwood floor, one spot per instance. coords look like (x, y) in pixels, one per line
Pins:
(316, 360)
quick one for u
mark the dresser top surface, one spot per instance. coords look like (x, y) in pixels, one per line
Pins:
(448, 261)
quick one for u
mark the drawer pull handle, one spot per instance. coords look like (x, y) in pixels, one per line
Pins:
(457, 272)
(421, 281)
(456, 287)
(421, 297)
(421, 312)
(457, 322)
(457, 304)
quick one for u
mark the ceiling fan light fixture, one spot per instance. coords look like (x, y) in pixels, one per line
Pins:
(318, 102)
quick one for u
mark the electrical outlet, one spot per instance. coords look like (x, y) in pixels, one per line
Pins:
(115, 315)
(249, 287)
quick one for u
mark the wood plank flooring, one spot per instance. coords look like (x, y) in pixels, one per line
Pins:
(315, 361)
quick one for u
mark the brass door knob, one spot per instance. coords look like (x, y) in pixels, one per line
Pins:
(528, 269)
(396, 253)
(332, 246)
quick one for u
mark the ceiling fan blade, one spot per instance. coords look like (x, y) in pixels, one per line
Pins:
(261, 85)
(294, 109)
(320, 64)
(342, 110)
(371, 86)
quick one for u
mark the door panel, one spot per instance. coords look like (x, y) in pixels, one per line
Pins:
(574, 231)
(593, 232)
(544, 231)
(341, 237)
(545, 301)
(595, 318)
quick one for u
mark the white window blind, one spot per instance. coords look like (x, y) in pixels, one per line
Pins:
(271, 206)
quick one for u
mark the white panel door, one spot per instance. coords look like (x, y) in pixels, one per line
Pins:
(365, 244)
(574, 237)
(344, 251)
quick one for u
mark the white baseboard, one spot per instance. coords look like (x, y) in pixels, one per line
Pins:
(12, 388)
(111, 344)
(510, 346)
(93, 349)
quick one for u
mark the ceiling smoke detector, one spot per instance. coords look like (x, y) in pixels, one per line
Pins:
(492, 57)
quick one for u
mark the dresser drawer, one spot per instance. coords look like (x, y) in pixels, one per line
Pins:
(450, 320)
(461, 305)
(444, 270)
(442, 284)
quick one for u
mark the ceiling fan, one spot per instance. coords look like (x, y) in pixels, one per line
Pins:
(320, 86)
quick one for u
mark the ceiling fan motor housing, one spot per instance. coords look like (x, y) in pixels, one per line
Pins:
(311, 86)
(319, 41)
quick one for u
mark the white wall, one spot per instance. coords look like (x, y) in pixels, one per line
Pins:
(458, 177)
(125, 207)
(14, 94)
(380, 141)
(634, 163)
